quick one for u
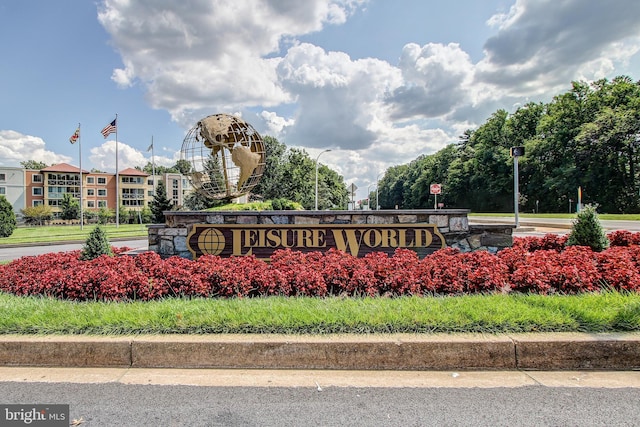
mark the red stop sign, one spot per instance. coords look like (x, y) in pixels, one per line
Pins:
(435, 189)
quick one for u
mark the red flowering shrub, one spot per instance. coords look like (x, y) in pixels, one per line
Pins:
(549, 241)
(513, 257)
(302, 270)
(623, 238)
(546, 271)
(541, 265)
(346, 275)
(438, 272)
(394, 275)
(483, 272)
(619, 268)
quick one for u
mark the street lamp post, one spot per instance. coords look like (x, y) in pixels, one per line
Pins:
(317, 158)
(378, 191)
(369, 197)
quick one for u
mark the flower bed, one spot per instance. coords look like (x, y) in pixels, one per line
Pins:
(537, 265)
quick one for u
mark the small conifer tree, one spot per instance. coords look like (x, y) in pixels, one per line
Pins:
(587, 230)
(7, 218)
(97, 244)
(160, 203)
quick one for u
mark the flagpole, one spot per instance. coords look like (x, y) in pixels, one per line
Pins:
(81, 177)
(117, 179)
(153, 166)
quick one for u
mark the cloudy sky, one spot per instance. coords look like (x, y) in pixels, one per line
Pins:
(378, 82)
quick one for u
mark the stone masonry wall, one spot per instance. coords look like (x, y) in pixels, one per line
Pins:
(171, 238)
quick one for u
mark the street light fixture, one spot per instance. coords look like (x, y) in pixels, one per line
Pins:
(369, 197)
(378, 191)
(317, 158)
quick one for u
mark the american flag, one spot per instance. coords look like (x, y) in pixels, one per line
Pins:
(109, 129)
(75, 136)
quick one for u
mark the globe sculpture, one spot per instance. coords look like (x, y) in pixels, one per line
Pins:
(227, 156)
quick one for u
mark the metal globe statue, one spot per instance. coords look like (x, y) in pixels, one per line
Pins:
(227, 156)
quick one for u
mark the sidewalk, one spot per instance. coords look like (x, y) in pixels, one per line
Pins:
(400, 352)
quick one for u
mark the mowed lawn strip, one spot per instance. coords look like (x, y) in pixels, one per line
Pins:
(65, 233)
(497, 313)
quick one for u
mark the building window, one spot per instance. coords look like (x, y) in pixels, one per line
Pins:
(91, 180)
(150, 181)
(37, 191)
(3, 177)
(38, 202)
(132, 180)
(102, 180)
(102, 192)
(3, 190)
(102, 203)
(91, 192)
(91, 204)
(36, 179)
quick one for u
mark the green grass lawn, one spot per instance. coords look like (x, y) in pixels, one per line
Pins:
(604, 312)
(60, 233)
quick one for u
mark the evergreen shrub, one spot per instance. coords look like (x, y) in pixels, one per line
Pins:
(587, 230)
(97, 244)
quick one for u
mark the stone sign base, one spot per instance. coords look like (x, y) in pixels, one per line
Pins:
(171, 238)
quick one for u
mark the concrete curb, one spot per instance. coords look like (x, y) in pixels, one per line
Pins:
(548, 352)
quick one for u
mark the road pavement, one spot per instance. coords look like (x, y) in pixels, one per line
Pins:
(317, 403)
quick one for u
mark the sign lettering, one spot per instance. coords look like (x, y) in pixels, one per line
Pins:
(262, 240)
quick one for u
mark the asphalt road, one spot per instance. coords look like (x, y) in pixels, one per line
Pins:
(112, 404)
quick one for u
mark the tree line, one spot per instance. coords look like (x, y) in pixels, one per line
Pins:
(587, 138)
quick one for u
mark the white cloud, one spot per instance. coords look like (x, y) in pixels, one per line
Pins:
(339, 100)
(203, 57)
(200, 57)
(104, 157)
(16, 147)
(275, 124)
(436, 79)
(544, 44)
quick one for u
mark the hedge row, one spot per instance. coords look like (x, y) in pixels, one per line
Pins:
(539, 265)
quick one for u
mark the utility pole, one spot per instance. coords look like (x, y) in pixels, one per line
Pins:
(515, 153)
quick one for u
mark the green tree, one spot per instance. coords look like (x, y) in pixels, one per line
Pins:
(183, 166)
(160, 203)
(126, 215)
(146, 215)
(37, 214)
(7, 218)
(97, 244)
(587, 230)
(269, 186)
(70, 207)
(105, 215)
(298, 178)
(332, 191)
(33, 165)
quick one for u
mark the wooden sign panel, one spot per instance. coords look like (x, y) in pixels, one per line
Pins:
(262, 240)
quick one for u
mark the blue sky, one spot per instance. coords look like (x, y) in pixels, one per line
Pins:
(378, 82)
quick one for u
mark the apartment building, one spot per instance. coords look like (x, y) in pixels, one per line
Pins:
(26, 187)
(12, 187)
